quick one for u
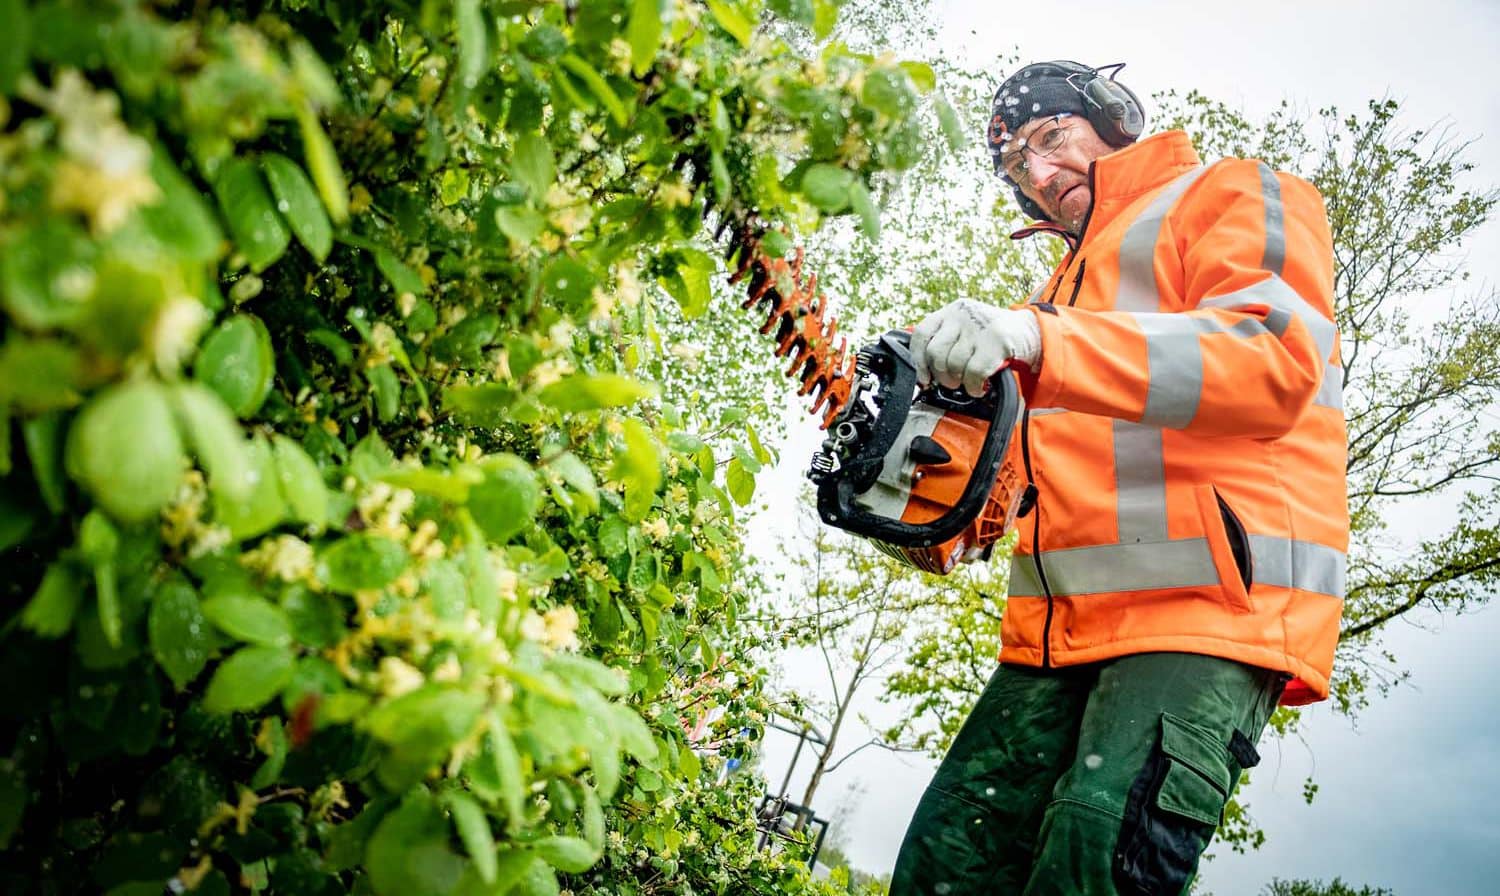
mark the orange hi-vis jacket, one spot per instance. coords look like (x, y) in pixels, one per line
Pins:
(1186, 431)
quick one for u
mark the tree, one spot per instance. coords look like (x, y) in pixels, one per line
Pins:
(356, 533)
(1336, 887)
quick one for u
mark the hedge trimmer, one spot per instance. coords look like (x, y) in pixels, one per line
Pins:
(930, 475)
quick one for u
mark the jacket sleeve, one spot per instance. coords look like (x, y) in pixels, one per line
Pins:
(1245, 327)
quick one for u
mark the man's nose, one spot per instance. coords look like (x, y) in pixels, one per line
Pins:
(1041, 170)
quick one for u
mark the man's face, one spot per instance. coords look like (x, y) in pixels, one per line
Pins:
(1059, 181)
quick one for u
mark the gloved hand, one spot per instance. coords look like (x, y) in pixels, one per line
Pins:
(965, 342)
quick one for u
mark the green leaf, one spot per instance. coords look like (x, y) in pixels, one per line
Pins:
(948, 119)
(578, 477)
(593, 391)
(638, 466)
(312, 74)
(124, 449)
(301, 482)
(386, 389)
(888, 91)
(178, 631)
(249, 679)
(237, 362)
(733, 19)
(39, 266)
(532, 164)
(258, 230)
(474, 831)
(263, 508)
(13, 49)
(741, 482)
(401, 277)
(43, 437)
(181, 219)
(249, 618)
(513, 867)
(50, 612)
(571, 282)
(323, 164)
(827, 187)
(274, 743)
(799, 11)
(40, 374)
(426, 721)
(689, 282)
(746, 458)
(473, 45)
(505, 761)
(643, 32)
(317, 619)
(216, 439)
(362, 562)
(298, 202)
(586, 671)
(776, 243)
(864, 206)
(598, 87)
(573, 855)
(593, 818)
(519, 223)
(505, 502)
(921, 74)
(825, 17)
(408, 854)
(635, 735)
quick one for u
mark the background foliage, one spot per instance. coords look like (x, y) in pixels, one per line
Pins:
(358, 534)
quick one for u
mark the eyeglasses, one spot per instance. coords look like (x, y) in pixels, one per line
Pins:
(1043, 142)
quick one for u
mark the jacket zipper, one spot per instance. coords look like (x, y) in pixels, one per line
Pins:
(1036, 521)
(1036, 534)
(1077, 281)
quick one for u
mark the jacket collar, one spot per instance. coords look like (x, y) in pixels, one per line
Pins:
(1125, 174)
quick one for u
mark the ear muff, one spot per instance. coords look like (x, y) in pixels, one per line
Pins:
(1113, 110)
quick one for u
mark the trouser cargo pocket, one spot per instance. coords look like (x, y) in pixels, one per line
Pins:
(1173, 808)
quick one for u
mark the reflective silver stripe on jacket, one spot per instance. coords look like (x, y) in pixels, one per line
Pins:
(1331, 392)
(1274, 258)
(1137, 291)
(1274, 293)
(1180, 563)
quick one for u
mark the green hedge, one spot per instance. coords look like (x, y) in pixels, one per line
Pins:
(348, 544)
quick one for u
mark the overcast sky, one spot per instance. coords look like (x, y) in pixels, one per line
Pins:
(1410, 799)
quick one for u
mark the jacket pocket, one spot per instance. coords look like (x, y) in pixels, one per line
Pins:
(1172, 810)
(1229, 546)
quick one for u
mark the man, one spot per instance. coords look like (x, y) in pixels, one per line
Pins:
(1182, 569)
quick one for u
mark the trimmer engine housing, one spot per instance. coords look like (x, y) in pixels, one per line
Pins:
(922, 472)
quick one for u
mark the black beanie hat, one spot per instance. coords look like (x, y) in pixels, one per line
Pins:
(1036, 91)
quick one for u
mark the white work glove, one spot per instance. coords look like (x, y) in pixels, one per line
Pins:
(965, 342)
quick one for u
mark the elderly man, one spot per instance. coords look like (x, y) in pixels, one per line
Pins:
(1181, 572)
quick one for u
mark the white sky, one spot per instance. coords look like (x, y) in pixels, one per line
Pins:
(1408, 800)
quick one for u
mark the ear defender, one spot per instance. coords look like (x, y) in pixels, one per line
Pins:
(1112, 108)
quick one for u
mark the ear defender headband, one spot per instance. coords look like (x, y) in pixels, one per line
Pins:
(1049, 88)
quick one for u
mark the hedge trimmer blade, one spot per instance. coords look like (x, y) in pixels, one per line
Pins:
(795, 310)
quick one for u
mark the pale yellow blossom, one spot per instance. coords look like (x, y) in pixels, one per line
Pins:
(450, 670)
(398, 677)
(174, 331)
(105, 173)
(561, 628)
(284, 557)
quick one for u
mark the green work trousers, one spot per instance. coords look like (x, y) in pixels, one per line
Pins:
(1093, 780)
